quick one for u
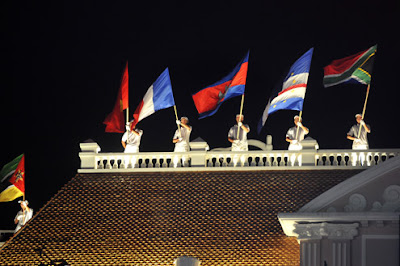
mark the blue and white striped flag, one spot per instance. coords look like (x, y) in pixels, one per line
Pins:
(291, 95)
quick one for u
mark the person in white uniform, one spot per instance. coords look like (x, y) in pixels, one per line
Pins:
(295, 137)
(239, 143)
(23, 216)
(360, 141)
(182, 136)
(131, 138)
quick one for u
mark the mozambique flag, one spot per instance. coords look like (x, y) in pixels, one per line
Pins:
(12, 177)
(352, 69)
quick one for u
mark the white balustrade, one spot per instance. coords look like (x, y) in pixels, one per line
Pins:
(141, 160)
(94, 161)
(353, 157)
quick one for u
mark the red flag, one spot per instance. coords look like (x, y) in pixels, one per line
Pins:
(18, 178)
(209, 99)
(115, 121)
(13, 179)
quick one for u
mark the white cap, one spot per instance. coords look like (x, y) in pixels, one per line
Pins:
(358, 115)
(24, 202)
(296, 116)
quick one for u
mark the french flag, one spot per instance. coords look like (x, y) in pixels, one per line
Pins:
(158, 96)
(291, 95)
(209, 99)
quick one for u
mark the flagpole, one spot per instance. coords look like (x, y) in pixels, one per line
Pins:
(24, 177)
(176, 115)
(365, 107)
(297, 131)
(241, 111)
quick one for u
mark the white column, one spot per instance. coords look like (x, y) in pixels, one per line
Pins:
(310, 252)
(325, 242)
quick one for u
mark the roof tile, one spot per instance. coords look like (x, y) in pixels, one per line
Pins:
(222, 218)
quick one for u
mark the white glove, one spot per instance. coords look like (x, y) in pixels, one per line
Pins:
(294, 141)
(178, 122)
(240, 124)
(180, 139)
(362, 122)
(127, 127)
(299, 124)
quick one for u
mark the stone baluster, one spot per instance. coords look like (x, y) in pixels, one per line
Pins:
(379, 160)
(108, 163)
(268, 161)
(158, 162)
(100, 163)
(335, 160)
(275, 161)
(224, 161)
(245, 160)
(320, 160)
(143, 164)
(115, 164)
(150, 163)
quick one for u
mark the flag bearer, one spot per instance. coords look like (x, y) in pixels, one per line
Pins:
(131, 138)
(360, 140)
(182, 136)
(239, 143)
(23, 216)
(296, 134)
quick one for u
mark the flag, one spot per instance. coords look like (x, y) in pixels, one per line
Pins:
(209, 99)
(158, 96)
(290, 95)
(352, 69)
(115, 121)
(12, 176)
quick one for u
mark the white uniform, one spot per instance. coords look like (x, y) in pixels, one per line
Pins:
(291, 134)
(182, 145)
(23, 217)
(132, 141)
(239, 144)
(362, 142)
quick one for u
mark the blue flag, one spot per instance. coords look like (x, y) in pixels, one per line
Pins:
(290, 95)
(209, 99)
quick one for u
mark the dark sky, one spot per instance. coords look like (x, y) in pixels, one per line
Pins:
(62, 62)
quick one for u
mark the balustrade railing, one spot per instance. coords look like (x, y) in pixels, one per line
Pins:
(93, 161)
(141, 160)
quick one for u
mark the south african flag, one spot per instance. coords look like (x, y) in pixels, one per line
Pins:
(352, 69)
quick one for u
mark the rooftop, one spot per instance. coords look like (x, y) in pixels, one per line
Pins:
(151, 218)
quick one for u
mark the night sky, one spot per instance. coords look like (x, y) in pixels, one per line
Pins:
(62, 63)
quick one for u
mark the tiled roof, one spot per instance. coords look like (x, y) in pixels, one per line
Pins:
(221, 218)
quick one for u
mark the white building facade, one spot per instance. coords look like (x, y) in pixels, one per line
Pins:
(354, 223)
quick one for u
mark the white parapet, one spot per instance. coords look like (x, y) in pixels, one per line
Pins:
(200, 159)
(89, 150)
